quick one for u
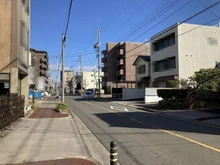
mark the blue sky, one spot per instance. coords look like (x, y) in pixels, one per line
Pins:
(119, 20)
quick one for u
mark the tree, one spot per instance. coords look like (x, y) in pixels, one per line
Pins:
(207, 79)
(172, 83)
(183, 83)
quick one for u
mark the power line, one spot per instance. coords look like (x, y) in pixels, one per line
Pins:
(185, 31)
(134, 29)
(207, 8)
(161, 11)
(187, 3)
(68, 18)
(129, 18)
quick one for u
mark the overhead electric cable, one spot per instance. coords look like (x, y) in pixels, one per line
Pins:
(202, 11)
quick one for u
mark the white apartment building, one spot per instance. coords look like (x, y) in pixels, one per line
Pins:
(89, 79)
(180, 50)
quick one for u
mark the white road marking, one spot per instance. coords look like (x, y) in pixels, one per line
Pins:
(119, 108)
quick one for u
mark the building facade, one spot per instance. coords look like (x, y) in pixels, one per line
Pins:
(118, 68)
(180, 50)
(14, 47)
(142, 65)
(40, 70)
(89, 80)
(69, 81)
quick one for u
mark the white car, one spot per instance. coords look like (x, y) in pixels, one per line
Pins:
(88, 95)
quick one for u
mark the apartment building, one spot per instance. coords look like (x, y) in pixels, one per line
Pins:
(14, 47)
(89, 79)
(69, 81)
(118, 59)
(180, 50)
(142, 64)
(39, 65)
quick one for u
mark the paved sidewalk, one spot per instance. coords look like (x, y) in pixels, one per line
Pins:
(47, 137)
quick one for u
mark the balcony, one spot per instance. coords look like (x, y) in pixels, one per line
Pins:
(120, 78)
(44, 60)
(42, 73)
(104, 60)
(120, 72)
(120, 52)
(120, 62)
(104, 52)
(104, 69)
(43, 66)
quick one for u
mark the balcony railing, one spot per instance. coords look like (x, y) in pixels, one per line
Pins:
(120, 72)
(120, 52)
(120, 62)
(43, 66)
(104, 60)
(104, 69)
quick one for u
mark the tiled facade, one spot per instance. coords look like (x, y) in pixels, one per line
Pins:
(40, 63)
(14, 47)
(118, 59)
(69, 81)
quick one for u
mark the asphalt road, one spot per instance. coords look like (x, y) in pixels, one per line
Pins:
(145, 138)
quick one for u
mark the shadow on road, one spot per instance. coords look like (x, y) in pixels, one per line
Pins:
(145, 120)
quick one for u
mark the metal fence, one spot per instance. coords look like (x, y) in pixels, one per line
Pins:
(11, 109)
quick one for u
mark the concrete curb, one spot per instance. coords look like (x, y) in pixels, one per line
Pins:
(73, 115)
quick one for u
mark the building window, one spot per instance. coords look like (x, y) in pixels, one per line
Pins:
(165, 42)
(212, 41)
(165, 64)
(22, 32)
(141, 69)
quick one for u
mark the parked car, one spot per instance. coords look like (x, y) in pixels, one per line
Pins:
(95, 90)
(88, 95)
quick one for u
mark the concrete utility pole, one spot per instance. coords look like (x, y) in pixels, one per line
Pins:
(57, 74)
(63, 45)
(80, 62)
(97, 46)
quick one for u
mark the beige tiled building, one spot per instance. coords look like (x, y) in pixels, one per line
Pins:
(14, 46)
(118, 59)
(180, 50)
(69, 81)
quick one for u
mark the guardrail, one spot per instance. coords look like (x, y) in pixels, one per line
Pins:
(11, 109)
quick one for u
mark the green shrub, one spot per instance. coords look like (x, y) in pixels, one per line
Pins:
(172, 93)
(62, 106)
(34, 107)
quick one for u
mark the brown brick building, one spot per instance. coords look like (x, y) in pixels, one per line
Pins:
(40, 63)
(118, 59)
(14, 47)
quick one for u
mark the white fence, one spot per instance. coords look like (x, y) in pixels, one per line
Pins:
(132, 93)
(151, 95)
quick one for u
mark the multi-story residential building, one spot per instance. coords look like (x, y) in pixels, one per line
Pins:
(142, 64)
(39, 63)
(69, 81)
(180, 50)
(118, 59)
(14, 47)
(89, 79)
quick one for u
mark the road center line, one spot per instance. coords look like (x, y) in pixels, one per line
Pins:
(166, 131)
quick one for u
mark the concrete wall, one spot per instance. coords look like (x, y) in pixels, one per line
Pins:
(198, 48)
(132, 93)
(151, 95)
(195, 47)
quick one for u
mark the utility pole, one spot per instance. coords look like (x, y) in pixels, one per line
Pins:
(97, 47)
(57, 74)
(63, 45)
(80, 62)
